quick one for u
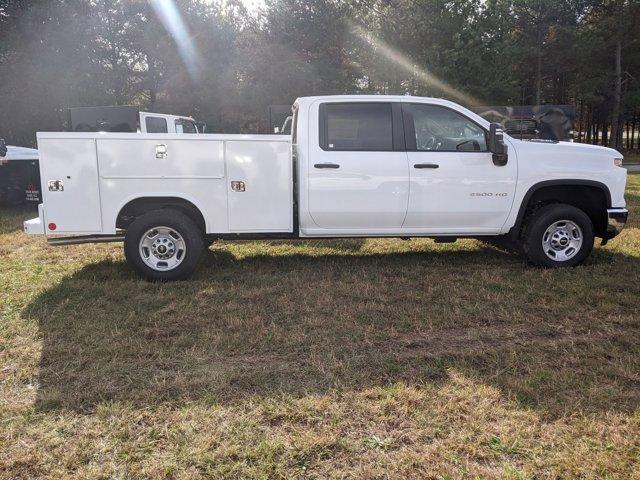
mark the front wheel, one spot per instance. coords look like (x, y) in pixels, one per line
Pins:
(557, 235)
(163, 245)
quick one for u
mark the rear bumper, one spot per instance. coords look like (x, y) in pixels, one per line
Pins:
(35, 226)
(616, 219)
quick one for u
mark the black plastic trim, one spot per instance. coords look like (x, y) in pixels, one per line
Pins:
(399, 144)
(550, 183)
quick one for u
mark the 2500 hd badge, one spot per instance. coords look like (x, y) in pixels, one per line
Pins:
(489, 194)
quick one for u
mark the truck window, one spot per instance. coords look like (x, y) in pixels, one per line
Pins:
(185, 126)
(356, 126)
(155, 124)
(436, 128)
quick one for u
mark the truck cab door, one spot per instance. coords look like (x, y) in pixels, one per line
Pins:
(358, 170)
(454, 185)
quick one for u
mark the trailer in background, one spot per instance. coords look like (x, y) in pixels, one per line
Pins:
(528, 122)
(19, 176)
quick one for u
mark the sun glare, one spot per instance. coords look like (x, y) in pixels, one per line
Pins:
(172, 21)
(409, 66)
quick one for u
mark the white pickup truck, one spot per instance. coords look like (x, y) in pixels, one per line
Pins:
(354, 166)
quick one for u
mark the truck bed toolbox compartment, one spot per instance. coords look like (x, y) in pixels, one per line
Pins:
(260, 186)
(69, 175)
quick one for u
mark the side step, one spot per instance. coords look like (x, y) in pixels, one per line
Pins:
(85, 239)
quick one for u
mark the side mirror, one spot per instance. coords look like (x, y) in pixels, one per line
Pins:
(497, 145)
(3, 148)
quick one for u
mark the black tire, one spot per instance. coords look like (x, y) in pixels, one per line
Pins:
(545, 217)
(179, 225)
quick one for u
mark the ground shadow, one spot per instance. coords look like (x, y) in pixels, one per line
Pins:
(557, 341)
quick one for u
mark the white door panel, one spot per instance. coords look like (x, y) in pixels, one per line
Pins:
(138, 158)
(357, 177)
(76, 207)
(369, 190)
(454, 185)
(467, 192)
(263, 202)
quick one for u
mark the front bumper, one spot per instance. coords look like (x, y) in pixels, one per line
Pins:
(616, 219)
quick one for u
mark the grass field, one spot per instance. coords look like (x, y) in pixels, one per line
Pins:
(341, 359)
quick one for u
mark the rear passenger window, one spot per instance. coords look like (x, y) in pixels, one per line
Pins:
(155, 124)
(356, 126)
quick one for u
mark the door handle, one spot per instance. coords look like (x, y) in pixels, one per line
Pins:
(326, 165)
(426, 165)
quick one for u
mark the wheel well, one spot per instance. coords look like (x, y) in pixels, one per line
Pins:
(591, 199)
(140, 206)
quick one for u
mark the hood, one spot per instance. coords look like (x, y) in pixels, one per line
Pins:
(570, 148)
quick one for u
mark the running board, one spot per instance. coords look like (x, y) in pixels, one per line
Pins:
(85, 239)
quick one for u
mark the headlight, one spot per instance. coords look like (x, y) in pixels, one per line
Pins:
(617, 162)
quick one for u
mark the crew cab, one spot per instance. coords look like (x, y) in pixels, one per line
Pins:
(354, 166)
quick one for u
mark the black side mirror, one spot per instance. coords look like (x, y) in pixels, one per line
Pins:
(3, 148)
(497, 145)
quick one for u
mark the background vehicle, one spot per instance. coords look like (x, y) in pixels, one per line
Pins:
(19, 175)
(129, 119)
(355, 166)
(528, 122)
(19, 167)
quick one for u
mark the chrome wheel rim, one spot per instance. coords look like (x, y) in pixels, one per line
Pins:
(162, 248)
(562, 240)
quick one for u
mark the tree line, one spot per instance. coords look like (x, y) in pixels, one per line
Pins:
(225, 64)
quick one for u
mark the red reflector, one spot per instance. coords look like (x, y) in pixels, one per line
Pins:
(52, 226)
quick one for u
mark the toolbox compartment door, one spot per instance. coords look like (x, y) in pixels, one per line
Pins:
(260, 186)
(72, 204)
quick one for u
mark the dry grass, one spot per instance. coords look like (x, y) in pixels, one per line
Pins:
(342, 359)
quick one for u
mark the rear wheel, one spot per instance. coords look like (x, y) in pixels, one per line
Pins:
(557, 235)
(163, 245)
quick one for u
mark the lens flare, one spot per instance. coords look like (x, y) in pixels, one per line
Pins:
(409, 66)
(172, 20)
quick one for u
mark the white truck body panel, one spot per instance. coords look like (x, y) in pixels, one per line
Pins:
(543, 162)
(102, 172)
(77, 208)
(441, 201)
(368, 193)
(266, 205)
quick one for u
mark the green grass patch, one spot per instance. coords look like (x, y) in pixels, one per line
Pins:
(369, 358)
